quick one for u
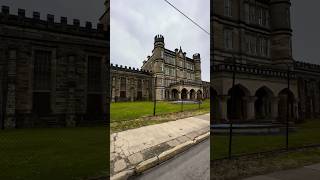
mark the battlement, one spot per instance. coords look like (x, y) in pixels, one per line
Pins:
(130, 69)
(159, 38)
(306, 66)
(35, 22)
(196, 56)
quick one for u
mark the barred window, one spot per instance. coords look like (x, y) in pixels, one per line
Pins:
(228, 8)
(228, 39)
(122, 83)
(94, 73)
(42, 70)
(123, 87)
(42, 82)
(139, 84)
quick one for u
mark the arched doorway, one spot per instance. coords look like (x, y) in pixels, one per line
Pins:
(174, 94)
(192, 94)
(262, 105)
(236, 105)
(184, 93)
(199, 95)
(283, 100)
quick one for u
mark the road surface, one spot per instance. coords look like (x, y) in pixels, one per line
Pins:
(193, 164)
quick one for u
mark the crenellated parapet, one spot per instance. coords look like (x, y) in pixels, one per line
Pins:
(306, 66)
(129, 69)
(253, 70)
(62, 26)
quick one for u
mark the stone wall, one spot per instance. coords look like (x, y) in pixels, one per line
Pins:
(70, 47)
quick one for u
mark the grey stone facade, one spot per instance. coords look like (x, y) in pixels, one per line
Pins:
(176, 75)
(130, 84)
(253, 38)
(51, 72)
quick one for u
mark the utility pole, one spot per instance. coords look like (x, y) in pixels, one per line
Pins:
(288, 106)
(181, 97)
(155, 96)
(233, 106)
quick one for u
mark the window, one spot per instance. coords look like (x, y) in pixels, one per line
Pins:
(253, 45)
(251, 14)
(123, 87)
(258, 45)
(173, 61)
(42, 82)
(42, 70)
(259, 14)
(162, 67)
(167, 71)
(228, 39)
(264, 17)
(162, 54)
(139, 84)
(94, 73)
(228, 8)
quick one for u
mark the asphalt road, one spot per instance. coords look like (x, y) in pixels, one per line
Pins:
(193, 164)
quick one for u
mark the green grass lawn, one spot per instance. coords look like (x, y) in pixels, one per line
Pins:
(307, 133)
(243, 167)
(132, 110)
(57, 153)
(129, 115)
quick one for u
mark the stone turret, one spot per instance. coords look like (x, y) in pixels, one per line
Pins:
(158, 67)
(197, 66)
(104, 19)
(159, 41)
(280, 47)
(158, 53)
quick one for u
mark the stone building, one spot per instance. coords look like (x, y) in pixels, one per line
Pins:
(253, 39)
(176, 75)
(52, 73)
(130, 84)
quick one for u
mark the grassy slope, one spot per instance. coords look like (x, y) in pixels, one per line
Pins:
(307, 133)
(258, 165)
(132, 110)
(129, 115)
(66, 153)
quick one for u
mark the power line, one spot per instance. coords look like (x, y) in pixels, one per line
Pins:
(187, 17)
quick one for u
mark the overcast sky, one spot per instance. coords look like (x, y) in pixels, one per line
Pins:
(306, 30)
(134, 23)
(136, 40)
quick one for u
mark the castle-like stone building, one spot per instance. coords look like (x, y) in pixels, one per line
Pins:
(51, 73)
(165, 75)
(253, 39)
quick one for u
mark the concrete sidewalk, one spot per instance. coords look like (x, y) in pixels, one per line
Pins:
(306, 173)
(134, 151)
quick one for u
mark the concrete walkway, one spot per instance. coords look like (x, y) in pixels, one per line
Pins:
(306, 173)
(131, 148)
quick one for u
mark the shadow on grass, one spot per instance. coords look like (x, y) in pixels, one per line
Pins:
(54, 153)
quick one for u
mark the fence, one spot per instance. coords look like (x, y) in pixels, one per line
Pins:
(245, 139)
(236, 137)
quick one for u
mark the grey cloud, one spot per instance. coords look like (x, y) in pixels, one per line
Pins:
(141, 20)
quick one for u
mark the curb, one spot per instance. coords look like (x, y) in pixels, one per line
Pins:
(164, 156)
